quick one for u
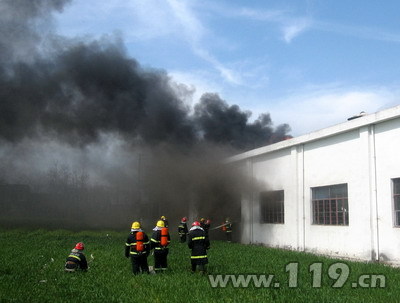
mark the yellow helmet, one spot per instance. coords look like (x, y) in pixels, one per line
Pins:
(162, 218)
(160, 223)
(135, 225)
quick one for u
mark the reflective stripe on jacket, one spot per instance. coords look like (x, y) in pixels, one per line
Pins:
(76, 256)
(130, 245)
(155, 240)
(198, 242)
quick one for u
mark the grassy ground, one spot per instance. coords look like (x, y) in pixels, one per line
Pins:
(31, 270)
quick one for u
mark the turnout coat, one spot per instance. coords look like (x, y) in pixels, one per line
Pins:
(198, 242)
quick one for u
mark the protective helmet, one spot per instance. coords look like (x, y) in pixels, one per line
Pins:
(184, 219)
(208, 221)
(160, 223)
(163, 218)
(80, 246)
(196, 223)
(135, 225)
(202, 220)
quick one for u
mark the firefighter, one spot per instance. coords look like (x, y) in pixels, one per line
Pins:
(159, 242)
(206, 226)
(227, 228)
(137, 247)
(198, 242)
(183, 230)
(202, 222)
(163, 218)
(76, 259)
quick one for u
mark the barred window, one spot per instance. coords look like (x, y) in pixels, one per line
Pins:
(330, 205)
(272, 207)
(396, 200)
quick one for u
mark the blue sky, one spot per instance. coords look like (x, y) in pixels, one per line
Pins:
(311, 64)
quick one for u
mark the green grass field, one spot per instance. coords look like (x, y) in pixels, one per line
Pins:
(31, 270)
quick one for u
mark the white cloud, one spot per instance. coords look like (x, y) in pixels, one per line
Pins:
(195, 34)
(295, 28)
(260, 15)
(229, 75)
(308, 112)
(190, 26)
(291, 26)
(364, 32)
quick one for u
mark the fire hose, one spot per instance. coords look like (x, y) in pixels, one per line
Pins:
(220, 226)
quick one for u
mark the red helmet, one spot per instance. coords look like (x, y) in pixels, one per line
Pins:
(196, 223)
(79, 246)
(184, 219)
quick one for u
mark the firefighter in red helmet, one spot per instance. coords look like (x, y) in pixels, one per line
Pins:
(183, 229)
(199, 243)
(76, 259)
(137, 247)
(227, 228)
(160, 240)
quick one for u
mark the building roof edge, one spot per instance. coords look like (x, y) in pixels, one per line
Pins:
(375, 118)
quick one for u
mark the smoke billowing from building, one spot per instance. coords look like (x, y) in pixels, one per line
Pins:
(114, 126)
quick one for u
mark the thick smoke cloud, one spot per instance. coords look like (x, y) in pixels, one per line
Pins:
(22, 24)
(87, 107)
(224, 124)
(91, 89)
(76, 91)
(94, 88)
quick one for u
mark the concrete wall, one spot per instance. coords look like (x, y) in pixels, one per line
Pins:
(336, 160)
(387, 168)
(364, 158)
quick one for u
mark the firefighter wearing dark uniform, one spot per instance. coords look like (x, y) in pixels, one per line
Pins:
(183, 230)
(160, 239)
(228, 230)
(206, 226)
(137, 247)
(202, 222)
(163, 218)
(198, 243)
(76, 259)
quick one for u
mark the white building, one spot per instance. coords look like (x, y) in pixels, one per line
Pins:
(335, 191)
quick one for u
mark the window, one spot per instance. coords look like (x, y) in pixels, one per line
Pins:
(272, 207)
(330, 205)
(396, 201)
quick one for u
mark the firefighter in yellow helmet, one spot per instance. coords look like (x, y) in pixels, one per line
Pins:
(160, 240)
(137, 247)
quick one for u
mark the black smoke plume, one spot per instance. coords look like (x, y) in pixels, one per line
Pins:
(228, 125)
(88, 107)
